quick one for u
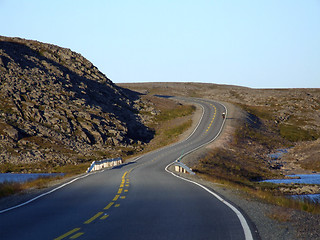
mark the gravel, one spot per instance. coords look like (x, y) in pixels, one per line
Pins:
(266, 221)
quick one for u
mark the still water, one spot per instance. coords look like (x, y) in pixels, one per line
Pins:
(299, 178)
(24, 177)
(302, 179)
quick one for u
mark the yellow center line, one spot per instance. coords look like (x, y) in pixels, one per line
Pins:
(76, 235)
(109, 205)
(125, 181)
(124, 175)
(67, 234)
(93, 218)
(116, 197)
(104, 216)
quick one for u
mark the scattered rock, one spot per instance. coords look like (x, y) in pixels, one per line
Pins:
(12, 132)
(56, 106)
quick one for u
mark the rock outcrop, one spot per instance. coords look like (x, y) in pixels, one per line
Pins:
(55, 106)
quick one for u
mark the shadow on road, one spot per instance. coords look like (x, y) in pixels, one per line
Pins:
(120, 166)
(164, 96)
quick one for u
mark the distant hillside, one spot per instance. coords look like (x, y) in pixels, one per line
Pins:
(291, 115)
(55, 106)
(285, 107)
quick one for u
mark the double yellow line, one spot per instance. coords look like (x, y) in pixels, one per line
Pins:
(214, 116)
(74, 233)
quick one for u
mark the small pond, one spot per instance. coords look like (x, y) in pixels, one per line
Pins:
(278, 154)
(24, 177)
(302, 179)
(299, 178)
(312, 197)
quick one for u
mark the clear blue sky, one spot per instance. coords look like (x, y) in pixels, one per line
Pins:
(257, 43)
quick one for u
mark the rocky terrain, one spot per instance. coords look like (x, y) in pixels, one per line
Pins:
(57, 108)
(293, 114)
(290, 106)
(259, 122)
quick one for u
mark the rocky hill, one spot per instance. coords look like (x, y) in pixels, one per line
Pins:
(57, 107)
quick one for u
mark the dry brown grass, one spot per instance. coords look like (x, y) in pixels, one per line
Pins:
(7, 189)
(173, 120)
(277, 118)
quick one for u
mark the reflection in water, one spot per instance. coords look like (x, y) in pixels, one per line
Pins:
(301, 179)
(24, 177)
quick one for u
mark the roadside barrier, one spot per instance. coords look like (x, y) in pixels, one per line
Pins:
(105, 163)
(181, 167)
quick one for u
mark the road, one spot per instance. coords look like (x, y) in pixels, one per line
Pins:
(138, 200)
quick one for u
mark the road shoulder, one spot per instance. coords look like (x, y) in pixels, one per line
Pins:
(263, 227)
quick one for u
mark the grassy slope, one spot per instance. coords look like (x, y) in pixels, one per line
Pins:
(245, 159)
(171, 121)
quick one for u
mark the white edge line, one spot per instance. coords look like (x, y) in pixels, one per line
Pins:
(44, 194)
(172, 145)
(197, 124)
(244, 224)
(65, 184)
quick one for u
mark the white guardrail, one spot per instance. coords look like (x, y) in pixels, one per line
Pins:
(105, 163)
(181, 167)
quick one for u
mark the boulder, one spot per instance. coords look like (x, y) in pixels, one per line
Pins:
(12, 132)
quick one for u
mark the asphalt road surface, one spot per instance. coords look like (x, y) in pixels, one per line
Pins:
(138, 200)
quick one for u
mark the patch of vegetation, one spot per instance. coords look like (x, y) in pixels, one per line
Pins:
(295, 133)
(273, 196)
(180, 111)
(172, 121)
(232, 166)
(258, 135)
(71, 169)
(267, 193)
(194, 94)
(10, 167)
(7, 189)
(291, 130)
(10, 188)
(259, 112)
(176, 131)
(236, 94)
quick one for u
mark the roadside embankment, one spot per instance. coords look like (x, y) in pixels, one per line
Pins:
(271, 221)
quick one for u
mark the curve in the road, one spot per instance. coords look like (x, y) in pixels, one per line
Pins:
(246, 228)
(149, 203)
